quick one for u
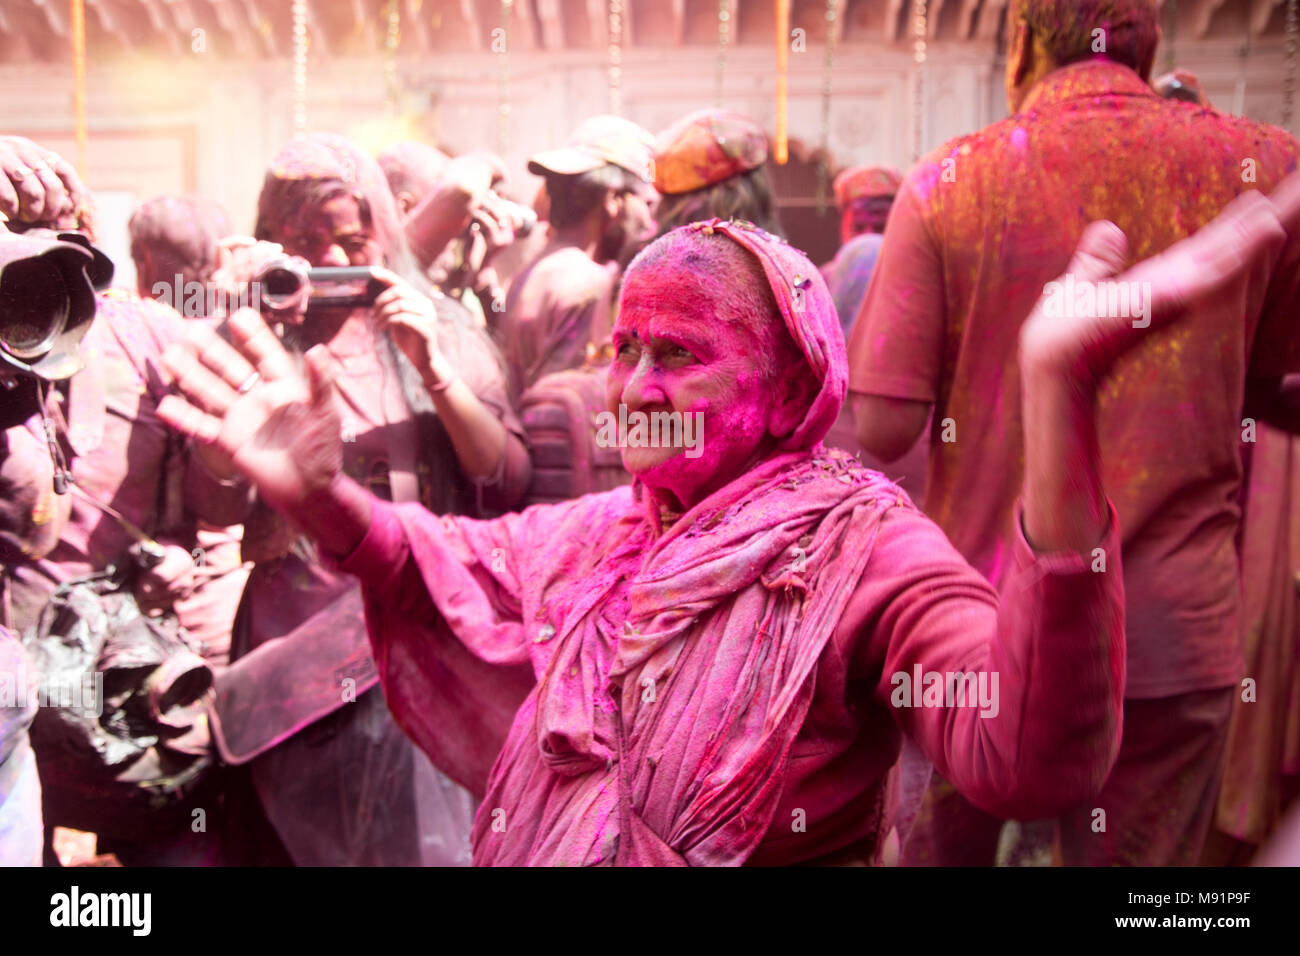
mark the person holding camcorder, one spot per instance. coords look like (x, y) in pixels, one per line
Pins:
(330, 777)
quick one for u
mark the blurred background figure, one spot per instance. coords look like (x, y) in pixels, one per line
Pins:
(412, 170)
(709, 164)
(174, 247)
(601, 196)
(458, 225)
(864, 195)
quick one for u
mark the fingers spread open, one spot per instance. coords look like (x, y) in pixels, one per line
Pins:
(258, 343)
(320, 373)
(188, 420)
(224, 359)
(200, 385)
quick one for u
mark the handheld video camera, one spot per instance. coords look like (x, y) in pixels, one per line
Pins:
(524, 219)
(290, 286)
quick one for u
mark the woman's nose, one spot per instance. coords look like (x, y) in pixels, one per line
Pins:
(335, 257)
(642, 387)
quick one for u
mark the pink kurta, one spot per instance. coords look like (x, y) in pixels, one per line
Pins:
(719, 691)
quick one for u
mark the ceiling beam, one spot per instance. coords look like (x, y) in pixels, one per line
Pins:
(932, 19)
(966, 21)
(229, 20)
(53, 11)
(990, 19)
(415, 25)
(891, 20)
(1202, 14)
(1260, 13)
(548, 22)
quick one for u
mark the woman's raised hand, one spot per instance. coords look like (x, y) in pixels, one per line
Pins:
(250, 410)
(1096, 311)
(1093, 314)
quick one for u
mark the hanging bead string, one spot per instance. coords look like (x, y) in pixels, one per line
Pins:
(503, 81)
(616, 57)
(1288, 77)
(919, 28)
(781, 148)
(77, 31)
(828, 65)
(392, 41)
(299, 67)
(724, 39)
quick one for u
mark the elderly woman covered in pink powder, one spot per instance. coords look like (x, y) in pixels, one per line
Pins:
(717, 664)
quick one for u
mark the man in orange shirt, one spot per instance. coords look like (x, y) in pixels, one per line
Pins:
(978, 228)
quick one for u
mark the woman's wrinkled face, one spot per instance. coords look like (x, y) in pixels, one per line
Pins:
(674, 352)
(337, 235)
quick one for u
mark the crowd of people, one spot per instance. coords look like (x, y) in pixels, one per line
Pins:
(973, 545)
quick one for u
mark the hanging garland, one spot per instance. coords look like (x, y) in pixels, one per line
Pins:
(828, 64)
(616, 57)
(724, 38)
(78, 38)
(299, 67)
(781, 149)
(503, 81)
(919, 29)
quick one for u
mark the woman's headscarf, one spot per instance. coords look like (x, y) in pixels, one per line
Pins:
(808, 311)
(311, 169)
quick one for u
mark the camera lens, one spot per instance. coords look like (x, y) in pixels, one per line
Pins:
(281, 288)
(33, 307)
